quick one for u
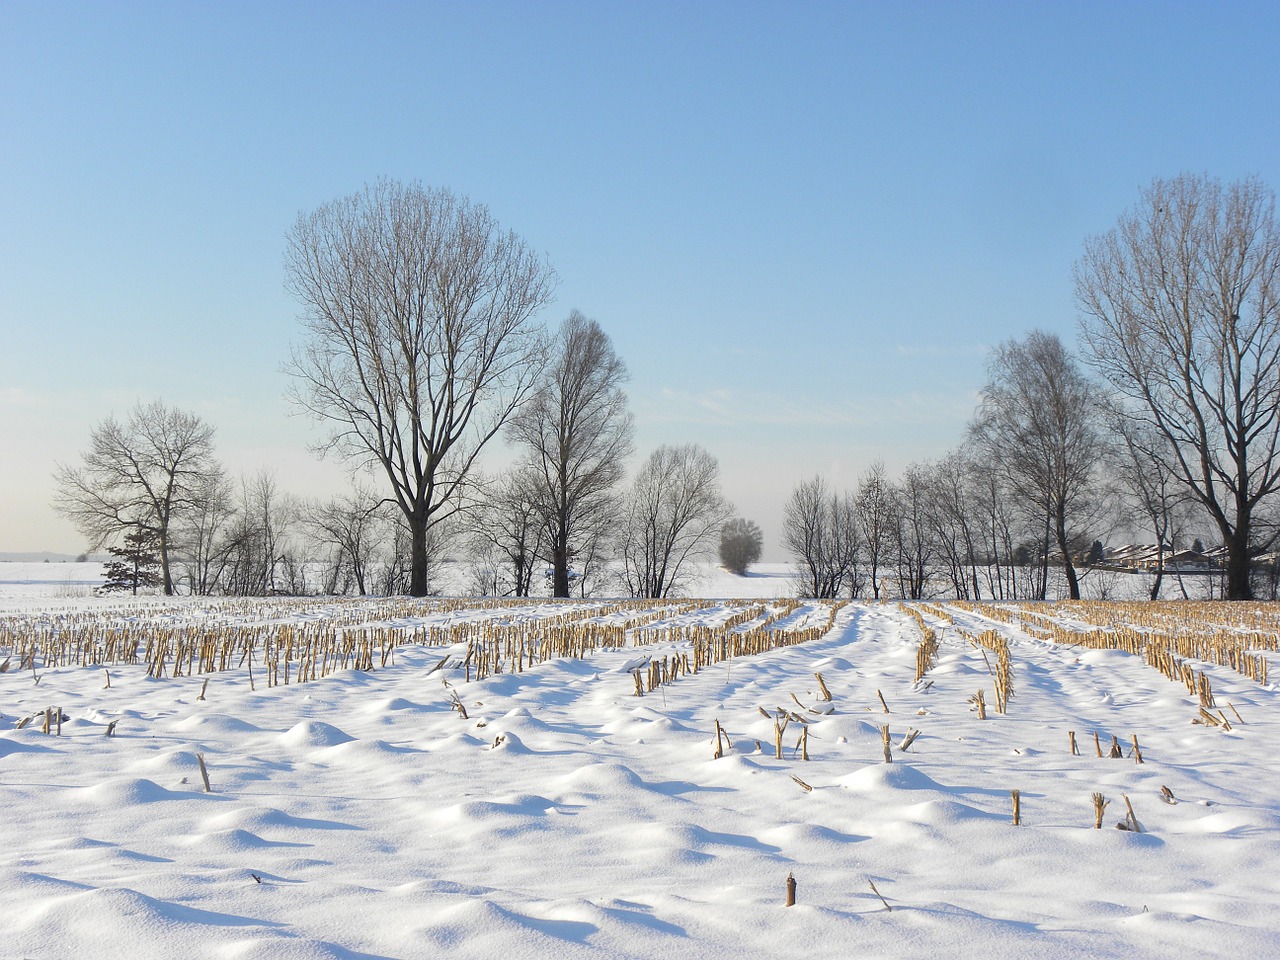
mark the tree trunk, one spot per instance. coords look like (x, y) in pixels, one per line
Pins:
(522, 588)
(417, 556)
(1060, 533)
(560, 570)
(1238, 566)
(164, 563)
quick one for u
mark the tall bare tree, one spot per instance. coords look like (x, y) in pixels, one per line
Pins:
(875, 514)
(1038, 424)
(421, 340)
(820, 530)
(1180, 311)
(139, 475)
(576, 433)
(674, 514)
(910, 533)
(952, 518)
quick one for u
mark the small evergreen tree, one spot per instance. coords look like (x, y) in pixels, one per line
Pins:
(136, 564)
(741, 543)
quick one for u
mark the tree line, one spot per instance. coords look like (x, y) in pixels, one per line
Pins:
(421, 346)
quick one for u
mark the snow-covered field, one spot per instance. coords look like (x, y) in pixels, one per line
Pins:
(362, 815)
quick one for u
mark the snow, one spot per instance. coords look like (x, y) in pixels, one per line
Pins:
(360, 815)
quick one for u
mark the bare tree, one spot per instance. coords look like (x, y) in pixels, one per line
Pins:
(256, 549)
(420, 342)
(1038, 424)
(347, 523)
(1181, 315)
(674, 514)
(952, 519)
(1000, 523)
(203, 536)
(875, 514)
(143, 474)
(1140, 464)
(576, 433)
(506, 520)
(820, 530)
(910, 534)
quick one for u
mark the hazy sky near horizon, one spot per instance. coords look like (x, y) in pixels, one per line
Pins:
(803, 225)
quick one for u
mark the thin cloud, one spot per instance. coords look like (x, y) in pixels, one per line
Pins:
(16, 398)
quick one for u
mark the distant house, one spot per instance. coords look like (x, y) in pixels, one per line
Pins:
(1187, 560)
(1149, 556)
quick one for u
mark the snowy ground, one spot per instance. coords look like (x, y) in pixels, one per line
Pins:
(360, 816)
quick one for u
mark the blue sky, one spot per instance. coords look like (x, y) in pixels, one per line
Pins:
(802, 224)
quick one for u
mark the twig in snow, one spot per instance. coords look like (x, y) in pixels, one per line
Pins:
(204, 773)
(1130, 821)
(457, 705)
(826, 694)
